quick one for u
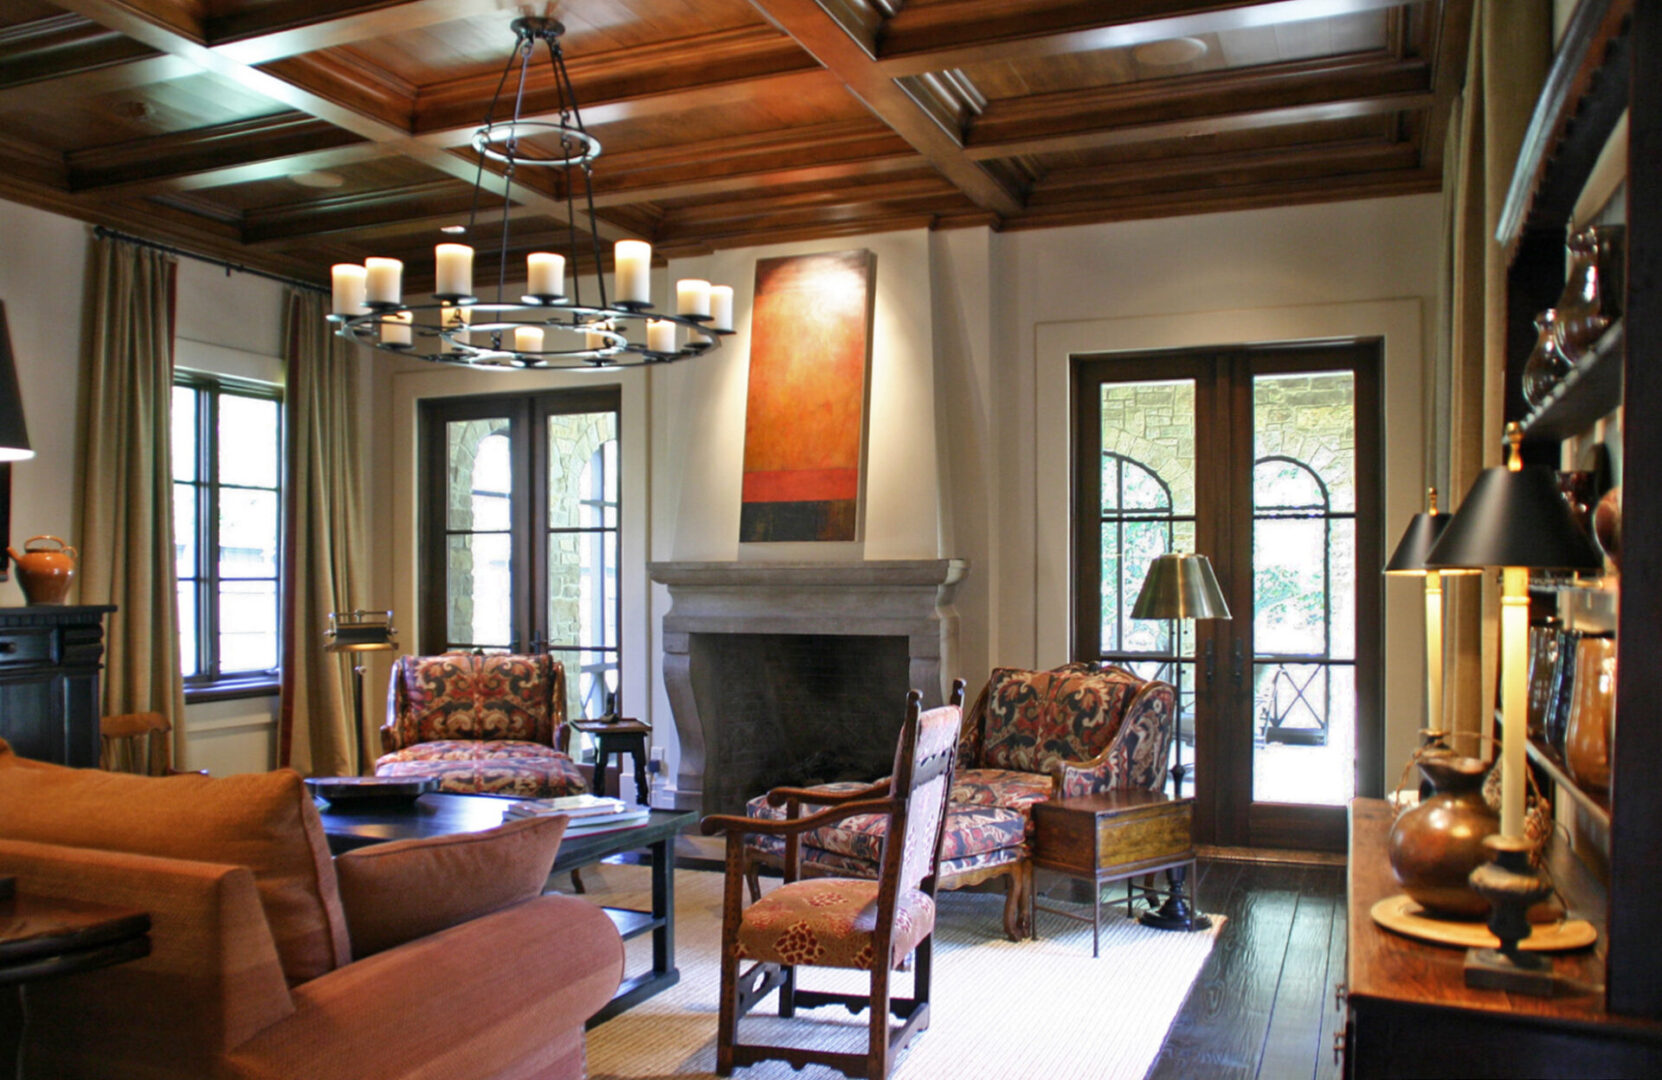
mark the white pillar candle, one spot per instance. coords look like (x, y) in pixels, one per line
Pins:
(633, 261)
(545, 274)
(1514, 694)
(660, 335)
(528, 339)
(721, 307)
(395, 328)
(348, 279)
(383, 280)
(452, 270)
(692, 297)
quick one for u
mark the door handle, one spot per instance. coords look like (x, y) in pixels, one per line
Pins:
(1210, 664)
(1237, 663)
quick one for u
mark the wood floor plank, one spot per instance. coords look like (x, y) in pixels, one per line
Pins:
(1291, 1044)
(1333, 1017)
(1220, 1032)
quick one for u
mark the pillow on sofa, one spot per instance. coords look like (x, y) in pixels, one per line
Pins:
(406, 889)
(264, 821)
(1037, 719)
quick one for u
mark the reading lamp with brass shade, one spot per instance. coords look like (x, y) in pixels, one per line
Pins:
(1178, 586)
(1409, 560)
(359, 632)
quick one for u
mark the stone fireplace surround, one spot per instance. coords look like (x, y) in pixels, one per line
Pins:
(861, 635)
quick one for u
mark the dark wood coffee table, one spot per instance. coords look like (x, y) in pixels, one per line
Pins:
(350, 827)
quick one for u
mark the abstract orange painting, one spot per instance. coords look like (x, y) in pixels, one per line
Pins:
(804, 427)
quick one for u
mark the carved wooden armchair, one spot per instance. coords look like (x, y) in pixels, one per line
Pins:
(844, 922)
(480, 723)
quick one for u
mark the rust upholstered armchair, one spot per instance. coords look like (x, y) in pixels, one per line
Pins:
(492, 724)
(1074, 730)
(417, 960)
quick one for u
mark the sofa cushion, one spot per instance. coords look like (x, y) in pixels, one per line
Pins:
(264, 821)
(1012, 790)
(969, 831)
(1037, 719)
(830, 922)
(406, 889)
(464, 696)
(470, 767)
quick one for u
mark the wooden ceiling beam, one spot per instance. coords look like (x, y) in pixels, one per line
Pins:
(411, 208)
(1115, 115)
(258, 33)
(750, 182)
(1100, 183)
(76, 84)
(62, 46)
(828, 41)
(171, 27)
(1451, 36)
(936, 37)
(221, 146)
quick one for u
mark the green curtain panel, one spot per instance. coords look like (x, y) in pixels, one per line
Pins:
(323, 542)
(126, 498)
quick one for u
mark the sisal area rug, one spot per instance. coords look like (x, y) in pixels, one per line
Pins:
(1001, 1010)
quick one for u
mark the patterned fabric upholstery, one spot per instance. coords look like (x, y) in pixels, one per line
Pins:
(970, 831)
(464, 696)
(830, 922)
(480, 724)
(1002, 787)
(1035, 720)
(1140, 751)
(937, 741)
(468, 767)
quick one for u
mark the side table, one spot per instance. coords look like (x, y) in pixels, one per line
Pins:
(1114, 836)
(616, 738)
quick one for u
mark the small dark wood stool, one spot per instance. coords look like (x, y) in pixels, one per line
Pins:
(1114, 836)
(616, 738)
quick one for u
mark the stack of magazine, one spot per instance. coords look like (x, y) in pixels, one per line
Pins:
(588, 813)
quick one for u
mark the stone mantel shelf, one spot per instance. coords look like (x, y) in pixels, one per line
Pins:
(879, 572)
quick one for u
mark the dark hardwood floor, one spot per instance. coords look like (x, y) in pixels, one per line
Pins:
(1263, 1006)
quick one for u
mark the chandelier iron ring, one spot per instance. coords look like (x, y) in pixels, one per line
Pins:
(486, 141)
(596, 324)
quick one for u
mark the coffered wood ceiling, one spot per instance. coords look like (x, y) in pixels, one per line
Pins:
(724, 122)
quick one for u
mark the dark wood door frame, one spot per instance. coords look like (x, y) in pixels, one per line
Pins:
(1224, 811)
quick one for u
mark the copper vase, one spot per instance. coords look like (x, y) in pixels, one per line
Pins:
(1435, 846)
(45, 573)
(1587, 739)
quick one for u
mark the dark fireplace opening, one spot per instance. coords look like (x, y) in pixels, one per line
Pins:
(796, 709)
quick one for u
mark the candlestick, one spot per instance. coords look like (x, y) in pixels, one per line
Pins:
(452, 270)
(395, 328)
(348, 280)
(456, 319)
(721, 307)
(692, 297)
(633, 260)
(528, 339)
(545, 275)
(383, 280)
(660, 336)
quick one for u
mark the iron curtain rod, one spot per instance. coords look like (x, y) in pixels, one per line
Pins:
(309, 286)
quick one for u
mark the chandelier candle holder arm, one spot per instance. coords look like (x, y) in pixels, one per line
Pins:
(547, 327)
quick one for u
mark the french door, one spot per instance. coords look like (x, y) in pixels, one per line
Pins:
(519, 528)
(1264, 459)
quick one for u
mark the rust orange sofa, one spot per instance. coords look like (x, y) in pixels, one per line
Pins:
(418, 959)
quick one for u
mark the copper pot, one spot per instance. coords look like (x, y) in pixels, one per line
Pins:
(1436, 845)
(44, 573)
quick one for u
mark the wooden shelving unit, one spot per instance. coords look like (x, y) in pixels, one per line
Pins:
(1592, 389)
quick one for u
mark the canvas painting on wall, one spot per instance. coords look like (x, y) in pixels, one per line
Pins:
(804, 429)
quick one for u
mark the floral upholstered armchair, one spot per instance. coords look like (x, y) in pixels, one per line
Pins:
(1073, 730)
(490, 724)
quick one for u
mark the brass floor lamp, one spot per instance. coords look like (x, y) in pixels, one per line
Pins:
(359, 632)
(1179, 586)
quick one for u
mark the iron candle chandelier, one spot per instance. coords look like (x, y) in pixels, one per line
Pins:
(549, 326)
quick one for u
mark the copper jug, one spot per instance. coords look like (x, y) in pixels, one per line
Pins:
(44, 573)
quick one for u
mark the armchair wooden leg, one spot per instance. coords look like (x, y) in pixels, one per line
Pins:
(753, 878)
(877, 1054)
(727, 1023)
(924, 957)
(787, 992)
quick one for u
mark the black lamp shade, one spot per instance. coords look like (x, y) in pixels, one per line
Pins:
(14, 433)
(1514, 518)
(1415, 546)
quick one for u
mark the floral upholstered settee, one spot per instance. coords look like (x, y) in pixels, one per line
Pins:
(1073, 730)
(480, 723)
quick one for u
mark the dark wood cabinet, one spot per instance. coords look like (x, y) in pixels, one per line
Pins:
(50, 659)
